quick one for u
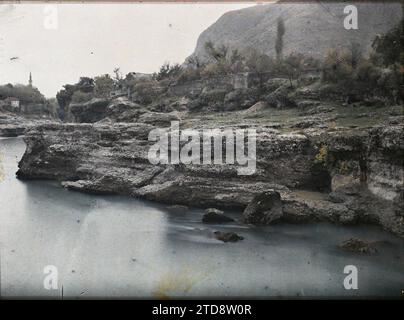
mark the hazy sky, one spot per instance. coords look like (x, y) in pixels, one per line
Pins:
(93, 39)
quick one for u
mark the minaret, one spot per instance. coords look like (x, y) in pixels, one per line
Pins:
(30, 80)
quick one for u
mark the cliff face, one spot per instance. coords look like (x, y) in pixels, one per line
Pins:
(359, 172)
(311, 28)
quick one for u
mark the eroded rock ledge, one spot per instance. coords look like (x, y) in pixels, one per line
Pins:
(348, 176)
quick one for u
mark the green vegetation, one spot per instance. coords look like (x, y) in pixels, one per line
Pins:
(26, 94)
(321, 156)
(344, 168)
(280, 32)
(343, 75)
(167, 71)
(389, 47)
(76, 91)
(381, 75)
(103, 85)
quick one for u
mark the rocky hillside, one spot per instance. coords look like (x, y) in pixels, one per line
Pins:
(311, 28)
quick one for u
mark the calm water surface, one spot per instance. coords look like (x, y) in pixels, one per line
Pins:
(117, 246)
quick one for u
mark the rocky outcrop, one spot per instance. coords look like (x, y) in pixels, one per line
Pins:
(227, 236)
(359, 246)
(11, 130)
(213, 215)
(12, 125)
(123, 110)
(90, 111)
(264, 208)
(112, 158)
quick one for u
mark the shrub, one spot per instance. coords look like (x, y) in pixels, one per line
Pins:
(80, 97)
(168, 71)
(189, 75)
(103, 85)
(336, 68)
(213, 69)
(321, 156)
(389, 46)
(258, 62)
(147, 91)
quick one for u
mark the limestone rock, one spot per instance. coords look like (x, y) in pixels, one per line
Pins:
(88, 112)
(227, 236)
(359, 246)
(213, 215)
(264, 208)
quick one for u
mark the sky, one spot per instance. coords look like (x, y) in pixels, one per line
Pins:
(58, 43)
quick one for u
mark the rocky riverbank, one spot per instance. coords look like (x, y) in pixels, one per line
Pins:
(12, 125)
(341, 174)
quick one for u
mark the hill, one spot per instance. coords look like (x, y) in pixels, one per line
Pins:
(311, 28)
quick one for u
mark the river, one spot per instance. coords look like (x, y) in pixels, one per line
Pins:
(113, 246)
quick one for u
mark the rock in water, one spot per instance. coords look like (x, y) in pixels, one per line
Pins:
(264, 208)
(213, 215)
(357, 245)
(179, 209)
(227, 236)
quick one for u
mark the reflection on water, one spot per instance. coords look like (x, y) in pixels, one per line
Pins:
(117, 246)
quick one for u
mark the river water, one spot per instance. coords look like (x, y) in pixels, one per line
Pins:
(112, 246)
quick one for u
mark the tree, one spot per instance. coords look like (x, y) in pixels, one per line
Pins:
(280, 32)
(85, 84)
(259, 62)
(353, 55)
(168, 71)
(293, 66)
(64, 96)
(26, 94)
(118, 79)
(336, 67)
(103, 85)
(80, 96)
(390, 45)
(118, 74)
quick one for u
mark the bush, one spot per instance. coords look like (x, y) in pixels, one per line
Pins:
(168, 71)
(258, 62)
(389, 46)
(147, 91)
(321, 156)
(189, 75)
(103, 85)
(367, 72)
(80, 97)
(336, 68)
(214, 69)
